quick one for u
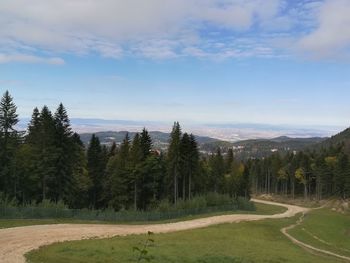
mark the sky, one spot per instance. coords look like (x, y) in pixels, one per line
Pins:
(196, 61)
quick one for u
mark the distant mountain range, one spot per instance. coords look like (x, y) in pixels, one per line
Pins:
(227, 132)
(160, 139)
(242, 149)
(246, 139)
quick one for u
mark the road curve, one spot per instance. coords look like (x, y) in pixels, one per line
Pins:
(15, 242)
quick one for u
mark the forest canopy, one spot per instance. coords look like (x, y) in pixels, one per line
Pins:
(48, 161)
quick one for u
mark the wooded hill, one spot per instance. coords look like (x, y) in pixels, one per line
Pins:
(50, 162)
(261, 148)
(244, 150)
(160, 139)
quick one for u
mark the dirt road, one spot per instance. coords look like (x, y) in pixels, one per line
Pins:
(307, 246)
(15, 242)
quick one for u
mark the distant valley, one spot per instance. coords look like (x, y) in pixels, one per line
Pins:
(244, 149)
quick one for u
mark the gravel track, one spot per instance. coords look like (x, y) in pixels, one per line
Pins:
(17, 241)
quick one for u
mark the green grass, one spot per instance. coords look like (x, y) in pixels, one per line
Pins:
(245, 242)
(261, 209)
(331, 227)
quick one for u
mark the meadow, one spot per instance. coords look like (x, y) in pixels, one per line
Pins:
(245, 242)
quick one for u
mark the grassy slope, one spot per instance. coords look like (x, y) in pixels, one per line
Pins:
(331, 227)
(259, 241)
(261, 209)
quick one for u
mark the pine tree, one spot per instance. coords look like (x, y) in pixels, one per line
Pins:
(174, 158)
(46, 153)
(80, 183)
(8, 144)
(185, 162)
(33, 127)
(229, 160)
(65, 154)
(194, 162)
(150, 172)
(96, 171)
(8, 115)
(217, 168)
(136, 157)
(341, 174)
(146, 143)
(112, 150)
(119, 170)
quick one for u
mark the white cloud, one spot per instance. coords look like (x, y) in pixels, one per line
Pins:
(163, 29)
(331, 38)
(104, 26)
(5, 58)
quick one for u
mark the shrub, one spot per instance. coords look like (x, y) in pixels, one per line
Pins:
(215, 199)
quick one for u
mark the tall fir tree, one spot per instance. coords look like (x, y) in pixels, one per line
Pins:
(65, 154)
(146, 143)
(46, 153)
(174, 158)
(96, 171)
(194, 163)
(8, 145)
(136, 158)
(185, 162)
(119, 177)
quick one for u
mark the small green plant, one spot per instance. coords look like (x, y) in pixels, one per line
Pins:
(143, 253)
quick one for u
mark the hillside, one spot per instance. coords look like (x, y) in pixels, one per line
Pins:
(258, 148)
(242, 149)
(160, 139)
(340, 138)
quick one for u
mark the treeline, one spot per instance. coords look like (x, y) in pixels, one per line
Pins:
(317, 174)
(49, 162)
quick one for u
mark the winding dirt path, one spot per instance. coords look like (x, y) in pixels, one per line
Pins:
(15, 242)
(307, 246)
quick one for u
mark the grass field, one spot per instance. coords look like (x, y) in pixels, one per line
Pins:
(261, 209)
(259, 241)
(325, 229)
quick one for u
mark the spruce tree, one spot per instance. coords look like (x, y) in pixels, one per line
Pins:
(119, 170)
(185, 161)
(229, 160)
(174, 158)
(33, 127)
(8, 115)
(146, 143)
(65, 154)
(96, 170)
(194, 162)
(47, 153)
(8, 145)
(76, 196)
(217, 169)
(136, 158)
(112, 150)
(341, 175)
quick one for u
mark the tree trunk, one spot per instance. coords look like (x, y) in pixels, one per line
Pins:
(184, 188)
(175, 186)
(135, 195)
(189, 186)
(44, 190)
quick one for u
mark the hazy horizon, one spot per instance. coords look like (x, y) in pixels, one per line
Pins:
(223, 131)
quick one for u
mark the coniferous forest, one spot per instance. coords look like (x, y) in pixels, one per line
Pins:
(48, 161)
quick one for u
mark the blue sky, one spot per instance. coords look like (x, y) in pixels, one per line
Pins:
(208, 61)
